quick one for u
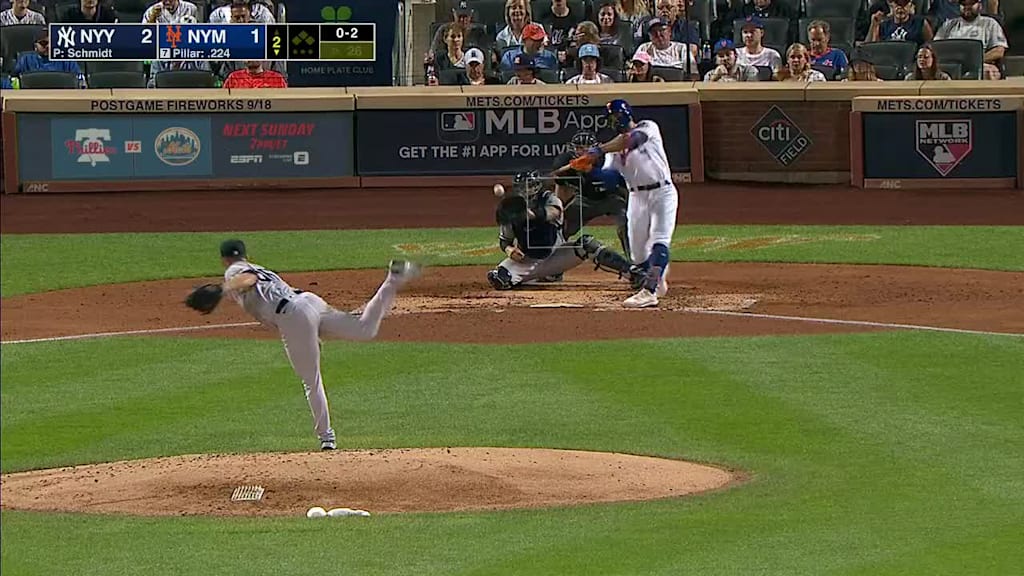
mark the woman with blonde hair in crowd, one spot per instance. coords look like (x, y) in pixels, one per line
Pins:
(517, 16)
(586, 33)
(638, 12)
(798, 66)
(926, 66)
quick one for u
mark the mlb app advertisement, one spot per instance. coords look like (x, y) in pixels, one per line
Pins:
(940, 145)
(495, 140)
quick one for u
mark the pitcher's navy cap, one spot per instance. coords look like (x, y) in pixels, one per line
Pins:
(232, 248)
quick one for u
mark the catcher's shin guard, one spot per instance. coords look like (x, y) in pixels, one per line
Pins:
(604, 258)
(500, 278)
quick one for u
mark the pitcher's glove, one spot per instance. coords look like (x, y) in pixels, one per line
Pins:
(512, 210)
(205, 298)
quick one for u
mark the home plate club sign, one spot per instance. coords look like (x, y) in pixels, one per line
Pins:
(944, 143)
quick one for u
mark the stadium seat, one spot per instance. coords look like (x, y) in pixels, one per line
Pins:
(701, 12)
(449, 76)
(889, 72)
(828, 71)
(115, 66)
(795, 5)
(185, 79)
(954, 69)
(832, 8)
(611, 56)
(490, 13)
(776, 32)
(584, 8)
(898, 54)
(843, 29)
(669, 73)
(613, 73)
(765, 73)
(49, 80)
(1014, 65)
(117, 79)
(17, 39)
(969, 54)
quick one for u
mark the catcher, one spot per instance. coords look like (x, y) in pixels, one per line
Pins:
(530, 221)
(300, 317)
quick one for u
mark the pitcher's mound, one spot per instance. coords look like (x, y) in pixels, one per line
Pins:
(400, 480)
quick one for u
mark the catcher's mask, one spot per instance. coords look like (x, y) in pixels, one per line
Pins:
(620, 115)
(527, 183)
(582, 141)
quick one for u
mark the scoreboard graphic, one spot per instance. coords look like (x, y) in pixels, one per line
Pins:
(353, 42)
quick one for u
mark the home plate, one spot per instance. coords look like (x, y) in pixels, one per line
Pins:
(556, 305)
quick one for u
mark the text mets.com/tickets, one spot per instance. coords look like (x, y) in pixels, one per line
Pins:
(944, 105)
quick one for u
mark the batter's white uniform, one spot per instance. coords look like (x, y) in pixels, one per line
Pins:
(653, 198)
(302, 318)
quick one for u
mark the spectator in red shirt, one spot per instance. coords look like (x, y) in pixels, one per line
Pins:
(255, 76)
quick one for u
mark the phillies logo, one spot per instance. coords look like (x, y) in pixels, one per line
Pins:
(944, 143)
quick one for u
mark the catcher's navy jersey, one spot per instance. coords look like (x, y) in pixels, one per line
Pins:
(262, 300)
(535, 238)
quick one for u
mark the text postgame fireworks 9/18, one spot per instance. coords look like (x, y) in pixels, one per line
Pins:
(142, 42)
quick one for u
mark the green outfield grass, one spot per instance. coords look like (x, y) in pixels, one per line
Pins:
(869, 454)
(36, 262)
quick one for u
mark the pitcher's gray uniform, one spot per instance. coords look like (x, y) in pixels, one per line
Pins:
(302, 318)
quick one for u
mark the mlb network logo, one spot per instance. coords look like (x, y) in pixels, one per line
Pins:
(458, 127)
(944, 143)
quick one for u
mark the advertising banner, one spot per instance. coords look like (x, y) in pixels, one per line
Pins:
(494, 140)
(940, 145)
(111, 148)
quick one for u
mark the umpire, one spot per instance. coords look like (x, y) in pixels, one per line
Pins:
(586, 196)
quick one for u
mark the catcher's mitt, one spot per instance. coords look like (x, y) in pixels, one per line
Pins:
(512, 210)
(205, 298)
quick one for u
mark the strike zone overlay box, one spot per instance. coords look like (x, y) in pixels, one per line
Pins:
(937, 142)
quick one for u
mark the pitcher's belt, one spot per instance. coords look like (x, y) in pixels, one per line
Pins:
(284, 302)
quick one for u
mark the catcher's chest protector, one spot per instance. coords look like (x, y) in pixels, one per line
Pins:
(537, 239)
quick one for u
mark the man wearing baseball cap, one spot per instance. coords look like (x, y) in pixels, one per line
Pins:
(526, 70)
(462, 17)
(728, 68)
(971, 25)
(475, 73)
(900, 24)
(533, 46)
(258, 12)
(38, 60)
(753, 52)
(590, 61)
(667, 52)
(758, 9)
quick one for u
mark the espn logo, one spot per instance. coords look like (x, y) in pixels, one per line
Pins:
(133, 146)
(247, 159)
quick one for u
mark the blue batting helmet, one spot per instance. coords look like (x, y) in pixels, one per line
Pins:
(620, 114)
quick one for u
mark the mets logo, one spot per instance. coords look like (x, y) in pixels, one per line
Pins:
(173, 35)
(944, 143)
(177, 146)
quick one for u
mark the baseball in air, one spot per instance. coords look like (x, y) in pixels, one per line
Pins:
(499, 190)
(316, 512)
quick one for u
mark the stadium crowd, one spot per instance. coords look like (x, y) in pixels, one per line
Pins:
(571, 41)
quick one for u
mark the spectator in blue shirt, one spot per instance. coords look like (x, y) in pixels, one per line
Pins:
(819, 33)
(533, 45)
(5, 83)
(39, 60)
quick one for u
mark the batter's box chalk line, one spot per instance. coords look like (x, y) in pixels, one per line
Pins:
(247, 493)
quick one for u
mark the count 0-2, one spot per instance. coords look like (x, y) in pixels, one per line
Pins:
(347, 32)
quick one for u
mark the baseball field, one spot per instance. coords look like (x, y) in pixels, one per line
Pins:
(832, 386)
